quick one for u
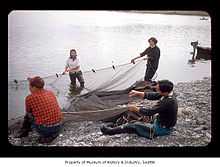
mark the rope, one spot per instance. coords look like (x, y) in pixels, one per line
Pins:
(58, 76)
(114, 78)
(17, 83)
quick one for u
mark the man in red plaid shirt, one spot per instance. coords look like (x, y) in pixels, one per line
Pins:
(42, 112)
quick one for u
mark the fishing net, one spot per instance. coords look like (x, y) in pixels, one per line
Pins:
(105, 96)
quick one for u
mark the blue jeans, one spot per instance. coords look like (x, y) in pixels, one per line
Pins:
(148, 130)
(160, 131)
(47, 131)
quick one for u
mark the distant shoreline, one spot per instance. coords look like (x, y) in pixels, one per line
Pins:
(196, 13)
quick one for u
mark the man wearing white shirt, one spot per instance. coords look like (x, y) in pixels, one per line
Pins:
(73, 67)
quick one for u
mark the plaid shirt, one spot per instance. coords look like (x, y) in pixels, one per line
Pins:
(44, 107)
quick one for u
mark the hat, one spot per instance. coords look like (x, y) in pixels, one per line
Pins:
(37, 82)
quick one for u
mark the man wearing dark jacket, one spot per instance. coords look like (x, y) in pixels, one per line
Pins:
(153, 56)
(166, 109)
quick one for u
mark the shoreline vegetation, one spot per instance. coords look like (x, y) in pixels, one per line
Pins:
(193, 126)
(170, 12)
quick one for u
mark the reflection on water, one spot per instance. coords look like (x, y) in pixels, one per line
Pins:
(39, 43)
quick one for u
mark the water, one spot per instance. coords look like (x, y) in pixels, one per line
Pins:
(39, 44)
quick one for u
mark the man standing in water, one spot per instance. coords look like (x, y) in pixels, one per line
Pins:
(153, 56)
(73, 67)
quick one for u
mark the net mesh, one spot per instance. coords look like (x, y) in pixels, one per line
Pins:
(105, 94)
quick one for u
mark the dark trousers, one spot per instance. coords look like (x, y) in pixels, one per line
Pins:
(44, 131)
(78, 76)
(150, 71)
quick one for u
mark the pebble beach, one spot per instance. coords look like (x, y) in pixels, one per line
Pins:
(193, 126)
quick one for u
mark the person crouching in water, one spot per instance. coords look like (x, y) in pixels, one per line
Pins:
(42, 112)
(166, 109)
(73, 67)
(153, 56)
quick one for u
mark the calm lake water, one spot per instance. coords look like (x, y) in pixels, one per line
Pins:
(39, 44)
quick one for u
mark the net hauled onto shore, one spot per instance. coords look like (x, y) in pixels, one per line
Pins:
(105, 95)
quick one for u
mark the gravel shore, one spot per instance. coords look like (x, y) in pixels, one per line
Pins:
(193, 127)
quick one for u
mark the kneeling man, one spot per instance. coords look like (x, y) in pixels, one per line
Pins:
(42, 112)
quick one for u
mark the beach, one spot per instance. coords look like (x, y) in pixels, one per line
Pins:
(193, 126)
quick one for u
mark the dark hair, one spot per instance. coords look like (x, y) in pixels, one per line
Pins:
(72, 50)
(37, 82)
(165, 86)
(153, 39)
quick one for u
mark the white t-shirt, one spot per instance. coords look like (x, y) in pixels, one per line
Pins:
(72, 64)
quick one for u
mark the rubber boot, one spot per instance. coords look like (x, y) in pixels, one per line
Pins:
(47, 140)
(26, 127)
(82, 85)
(113, 131)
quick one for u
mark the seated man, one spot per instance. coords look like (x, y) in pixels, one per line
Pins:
(166, 109)
(42, 112)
